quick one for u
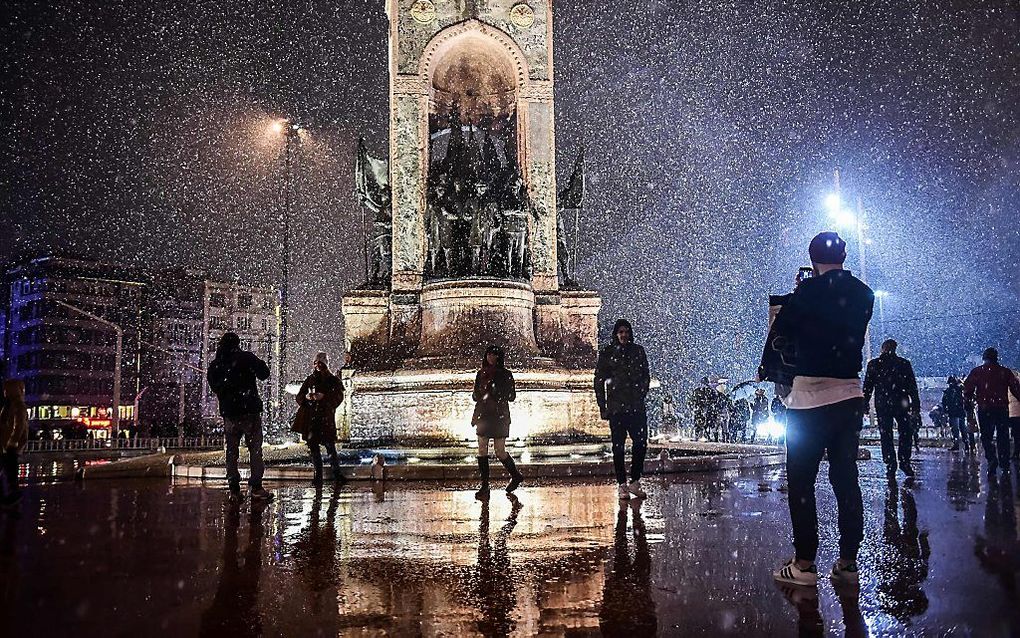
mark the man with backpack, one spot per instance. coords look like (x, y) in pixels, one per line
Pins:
(233, 375)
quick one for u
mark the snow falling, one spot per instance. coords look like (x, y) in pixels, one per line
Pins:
(137, 131)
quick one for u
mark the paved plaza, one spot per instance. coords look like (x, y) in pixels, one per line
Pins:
(151, 558)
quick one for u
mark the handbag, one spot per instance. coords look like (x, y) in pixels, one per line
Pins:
(300, 423)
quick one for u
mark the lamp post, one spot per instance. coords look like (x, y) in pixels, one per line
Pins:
(292, 132)
(881, 295)
(115, 419)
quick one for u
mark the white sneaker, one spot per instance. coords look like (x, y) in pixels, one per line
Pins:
(790, 573)
(635, 489)
(623, 491)
(845, 575)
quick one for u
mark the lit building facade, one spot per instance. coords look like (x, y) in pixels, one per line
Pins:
(171, 322)
(67, 359)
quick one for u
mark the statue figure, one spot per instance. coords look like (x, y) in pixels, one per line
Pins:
(570, 199)
(477, 237)
(515, 226)
(372, 187)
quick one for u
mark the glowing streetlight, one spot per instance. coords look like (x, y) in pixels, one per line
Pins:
(881, 296)
(292, 131)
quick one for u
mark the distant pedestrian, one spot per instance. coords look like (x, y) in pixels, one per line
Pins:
(759, 411)
(13, 438)
(955, 409)
(233, 377)
(669, 416)
(1014, 421)
(891, 379)
(621, 384)
(494, 391)
(740, 415)
(990, 385)
(825, 321)
(319, 397)
(938, 419)
(704, 406)
(778, 409)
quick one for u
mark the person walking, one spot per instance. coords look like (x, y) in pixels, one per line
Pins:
(493, 392)
(955, 410)
(740, 414)
(704, 406)
(233, 376)
(890, 378)
(13, 438)
(778, 409)
(825, 320)
(759, 411)
(319, 397)
(989, 386)
(621, 385)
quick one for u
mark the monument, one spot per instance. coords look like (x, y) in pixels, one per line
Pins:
(465, 237)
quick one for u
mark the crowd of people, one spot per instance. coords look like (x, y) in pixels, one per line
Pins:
(813, 355)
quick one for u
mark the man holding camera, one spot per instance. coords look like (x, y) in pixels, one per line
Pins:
(823, 324)
(891, 379)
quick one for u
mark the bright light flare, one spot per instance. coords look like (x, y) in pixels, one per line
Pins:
(882, 294)
(772, 430)
(277, 127)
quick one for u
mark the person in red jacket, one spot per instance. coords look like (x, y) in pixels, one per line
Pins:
(989, 386)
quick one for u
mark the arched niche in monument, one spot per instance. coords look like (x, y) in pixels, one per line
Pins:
(477, 203)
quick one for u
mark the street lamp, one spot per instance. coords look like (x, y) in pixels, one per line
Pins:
(849, 219)
(292, 132)
(115, 419)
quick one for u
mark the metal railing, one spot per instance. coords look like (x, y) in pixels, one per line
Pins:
(153, 443)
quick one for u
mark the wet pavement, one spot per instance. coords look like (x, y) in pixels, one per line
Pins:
(149, 558)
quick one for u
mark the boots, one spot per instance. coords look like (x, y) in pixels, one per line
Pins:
(483, 471)
(516, 478)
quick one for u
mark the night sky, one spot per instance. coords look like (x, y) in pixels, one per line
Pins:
(136, 131)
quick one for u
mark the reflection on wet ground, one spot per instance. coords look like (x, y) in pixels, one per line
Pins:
(131, 558)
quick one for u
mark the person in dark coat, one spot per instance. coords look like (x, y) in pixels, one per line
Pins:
(493, 392)
(621, 385)
(13, 438)
(955, 410)
(320, 395)
(704, 405)
(740, 414)
(989, 387)
(759, 411)
(779, 411)
(891, 379)
(232, 376)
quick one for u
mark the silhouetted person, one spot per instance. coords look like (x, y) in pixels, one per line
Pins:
(13, 439)
(955, 409)
(319, 397)
(1014, 421)
(989, 386)
(233, 377)
(494, 391)
(740, 415)
(759, 411)
(628, 609)
(891, 379)
(621, 385)
(704, 404)
(235, 606)
(825, 321)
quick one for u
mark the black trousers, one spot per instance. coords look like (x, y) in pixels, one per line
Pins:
(905, 435)
(636, 425)
(810, 434)
(1014, 430)
(994, 424)
(316, 453)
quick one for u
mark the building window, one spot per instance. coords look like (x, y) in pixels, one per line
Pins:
(218, 299)
(244, 300)
(242, 323)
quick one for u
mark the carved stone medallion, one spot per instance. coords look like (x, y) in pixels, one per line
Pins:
(423, 11)
(522, 15)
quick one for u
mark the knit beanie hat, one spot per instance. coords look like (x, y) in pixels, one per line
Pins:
(827, 248)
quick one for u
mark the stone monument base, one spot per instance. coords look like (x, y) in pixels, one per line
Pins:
(413, 407)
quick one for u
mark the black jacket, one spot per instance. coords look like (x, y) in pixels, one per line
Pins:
(824, 321)
(621, 378)
(952, 401)
(891, 379)
(232, 377)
